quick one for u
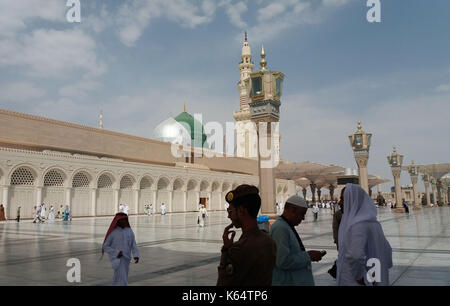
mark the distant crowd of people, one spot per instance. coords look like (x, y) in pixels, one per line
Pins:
(277, 257)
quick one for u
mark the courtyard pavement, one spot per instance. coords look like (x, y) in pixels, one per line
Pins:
(175, 251)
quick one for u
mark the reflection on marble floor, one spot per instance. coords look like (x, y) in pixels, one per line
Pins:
(175, 251)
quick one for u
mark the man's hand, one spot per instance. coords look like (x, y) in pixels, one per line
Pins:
(120, 254)
(228, 241)
(315, 255)
(136, 259)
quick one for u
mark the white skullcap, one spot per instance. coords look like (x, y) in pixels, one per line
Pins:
(297, 201)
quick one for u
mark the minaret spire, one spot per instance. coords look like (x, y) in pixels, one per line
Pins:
(100, 123)
(245, 36)
(263, 61)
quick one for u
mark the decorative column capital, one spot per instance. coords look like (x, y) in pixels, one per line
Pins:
(396, 171)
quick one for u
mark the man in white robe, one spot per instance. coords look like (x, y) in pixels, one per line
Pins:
(43, 211)
(125, 209)
(163, 209)
(119, 244)
(365, 256)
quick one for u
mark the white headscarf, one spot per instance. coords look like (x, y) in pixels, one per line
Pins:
(359, 207)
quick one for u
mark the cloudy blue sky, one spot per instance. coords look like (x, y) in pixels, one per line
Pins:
(141, 60)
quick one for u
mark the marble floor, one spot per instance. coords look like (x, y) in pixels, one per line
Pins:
(174, 250)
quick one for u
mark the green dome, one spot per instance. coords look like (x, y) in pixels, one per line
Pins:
(187, 120)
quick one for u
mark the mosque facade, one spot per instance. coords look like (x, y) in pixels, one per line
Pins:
(94, 170)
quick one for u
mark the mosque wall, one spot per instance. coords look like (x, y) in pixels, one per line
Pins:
(24, 131)
(94, 186)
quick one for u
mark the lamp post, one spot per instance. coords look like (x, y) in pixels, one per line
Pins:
(360, 142)
(413, 173)
(264, 90)
(433, 189)
(426, 180)
(395, 161)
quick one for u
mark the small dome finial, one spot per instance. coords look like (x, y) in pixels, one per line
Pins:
(184, 110)
(245, 39)
(359, 125)
(263, 61)
(100, 123)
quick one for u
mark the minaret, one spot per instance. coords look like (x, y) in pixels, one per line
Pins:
(245, 68)
(246, 140)
(100, 123)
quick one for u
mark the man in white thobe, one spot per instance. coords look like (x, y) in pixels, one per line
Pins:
(125, 209)
(365, 256)
(119, 244)
(163, 209)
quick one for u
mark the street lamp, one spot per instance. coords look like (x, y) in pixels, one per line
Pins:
(413, 173)
(426, 180)
(360, 142)
(395, 161)
(264, 90)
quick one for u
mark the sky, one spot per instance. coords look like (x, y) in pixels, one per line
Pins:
(140, 61)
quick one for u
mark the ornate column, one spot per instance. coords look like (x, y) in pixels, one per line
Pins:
(39, 195)
(433, 189)
(68, 196)
(395, 160)
(154, 192)
(116, 199)
(136, 200)
(413, 173)
(94, 202)
(5, 201)
(425, 179)
(360, 142)
(169, 206)
(439, 192)
(185, 192)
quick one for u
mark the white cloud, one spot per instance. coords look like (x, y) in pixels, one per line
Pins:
(79, 90)
(443, 88)
(234, 12)
(52, 53)
(134, 17)
(14, 15)
(270, 11)
(20, 92)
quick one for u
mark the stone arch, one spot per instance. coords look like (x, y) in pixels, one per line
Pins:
(23, 175)
(279, 188)
(55, 176)
(178, 184)
(146, 193)
(81, 178)
(215, 186)
(163, 183)
(204, 185)
(192, 187)
(23, 180)
(192, 184)
(81, 196)
(105, 180)
(127, 181)
(146, 182)
(226, 186)
(234, 186)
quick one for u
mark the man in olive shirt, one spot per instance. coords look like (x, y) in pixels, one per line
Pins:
(250, 260)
